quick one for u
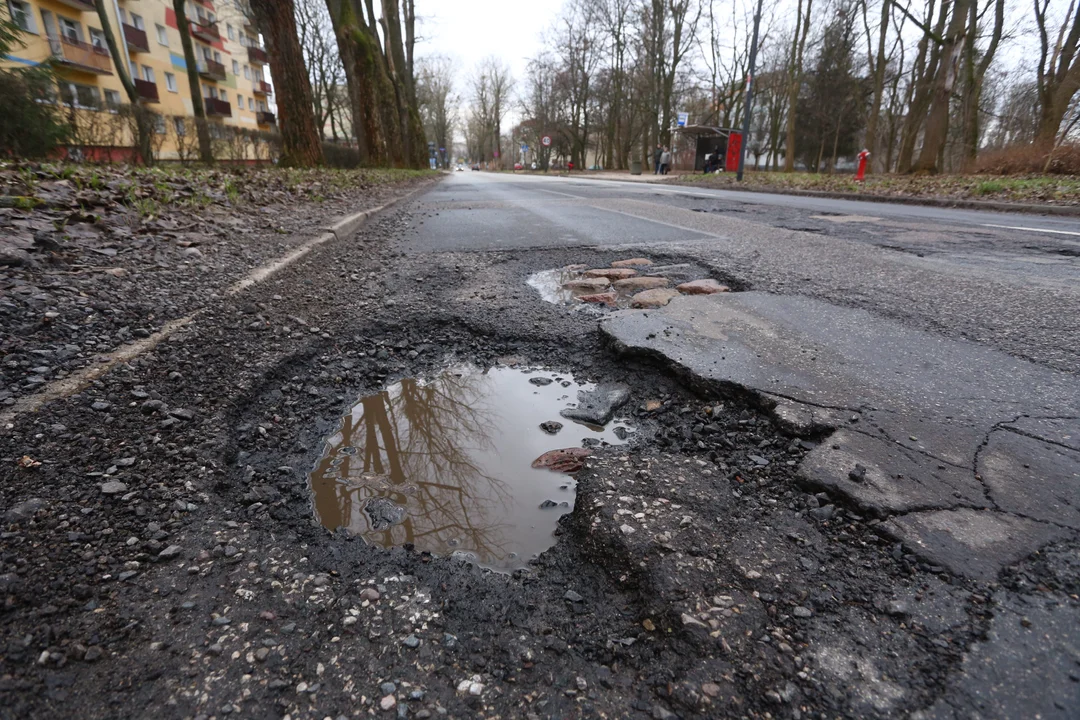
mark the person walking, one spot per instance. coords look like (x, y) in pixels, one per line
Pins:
(665, 161)
(657, 154)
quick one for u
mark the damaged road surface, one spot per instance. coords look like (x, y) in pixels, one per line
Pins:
(415, 473)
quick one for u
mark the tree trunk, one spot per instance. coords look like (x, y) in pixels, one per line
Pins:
(879, 83)
(798, 45)
(202, 128)
(920, 94)
(296, 116)
(142, 119)
(937, 121)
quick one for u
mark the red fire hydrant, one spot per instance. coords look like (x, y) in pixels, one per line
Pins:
(863, 157)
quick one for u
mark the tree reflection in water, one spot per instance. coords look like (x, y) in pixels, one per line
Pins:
(420, 446)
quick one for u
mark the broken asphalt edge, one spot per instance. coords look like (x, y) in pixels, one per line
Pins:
(955, 204)
(77, 381)
(817, 429)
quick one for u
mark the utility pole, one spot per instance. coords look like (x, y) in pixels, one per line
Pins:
(747, 105)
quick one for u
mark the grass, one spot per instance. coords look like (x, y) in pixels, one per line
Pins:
(1028, 189)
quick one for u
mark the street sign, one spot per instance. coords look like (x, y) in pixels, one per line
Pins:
(524, 148)
(546, 141)
(684, 119)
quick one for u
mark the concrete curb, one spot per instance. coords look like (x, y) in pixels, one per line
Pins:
(75, 382)
(955, 204)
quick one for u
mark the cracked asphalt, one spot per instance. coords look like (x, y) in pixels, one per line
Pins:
(852, 489)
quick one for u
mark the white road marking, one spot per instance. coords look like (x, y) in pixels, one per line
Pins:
(1030, 229)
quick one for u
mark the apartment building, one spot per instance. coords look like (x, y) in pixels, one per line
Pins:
(232, 66)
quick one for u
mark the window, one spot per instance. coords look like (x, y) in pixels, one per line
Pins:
(162, 35)
(240, 101)
(112, 100)
(148, 74)
(97, 38)
(251, 104)
(180, 125)
(262, 106)
(247, 72)
(210, 92)
(70, 29)
(230, 31)
(22, 15)
(137, 22)
(170, 82)
(217, 57)
(133, 69)
(235, 68)
(159, 124)
(81, 96)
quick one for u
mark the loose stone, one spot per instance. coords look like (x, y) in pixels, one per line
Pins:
(632, 262)
(708, 286)
(611, 273)
(653, 298)
(645, 282)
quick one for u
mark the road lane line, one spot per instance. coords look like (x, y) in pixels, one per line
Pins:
(556, 192)
(1031, 229)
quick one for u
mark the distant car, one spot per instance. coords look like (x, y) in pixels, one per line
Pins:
(519, 166)
(476, 166)
(460, 168)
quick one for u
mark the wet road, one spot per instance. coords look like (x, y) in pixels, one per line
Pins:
(1011, 281)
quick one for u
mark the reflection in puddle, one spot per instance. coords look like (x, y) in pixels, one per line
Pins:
(446, 465)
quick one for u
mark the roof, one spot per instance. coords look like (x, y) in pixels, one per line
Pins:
(705, 130)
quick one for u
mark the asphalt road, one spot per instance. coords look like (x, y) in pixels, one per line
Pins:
(1011, 281)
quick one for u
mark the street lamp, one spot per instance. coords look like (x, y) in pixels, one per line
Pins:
(749, 96)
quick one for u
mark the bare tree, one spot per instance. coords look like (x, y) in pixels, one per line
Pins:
(438, 102)
(1058, 71)
(798, 48)
(206, 147)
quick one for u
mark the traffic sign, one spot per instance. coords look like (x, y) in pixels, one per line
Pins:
(546, 141)
(684, 119)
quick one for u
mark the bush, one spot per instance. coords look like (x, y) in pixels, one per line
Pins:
(341, 156)
(29, 128)
(1030, 160)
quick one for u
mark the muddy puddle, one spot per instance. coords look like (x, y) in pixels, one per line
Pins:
(446, 465)
(633, 283)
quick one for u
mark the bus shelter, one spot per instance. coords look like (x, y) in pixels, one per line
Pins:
(696, 141)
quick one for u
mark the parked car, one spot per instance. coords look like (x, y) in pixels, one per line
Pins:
(519, 166)
(476, 166)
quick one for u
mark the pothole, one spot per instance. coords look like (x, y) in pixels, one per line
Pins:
(456, 465)
(630, 283)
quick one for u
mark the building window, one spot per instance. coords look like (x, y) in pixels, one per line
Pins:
(148, 74)
(217, 57)
(170, 82)
(159, 124)
(251, 104)
(180, 125)
(240, 101)
(112, 100)
(230, 31)
(137, 22)
(162, 35)
(70, 29)
(235, 68)
(262, 106)
(247, 72)
(80, 96)
(22, 16)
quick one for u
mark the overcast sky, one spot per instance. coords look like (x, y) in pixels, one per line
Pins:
(468, 31)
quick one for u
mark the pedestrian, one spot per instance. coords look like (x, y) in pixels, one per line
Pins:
(657, 154)
(665, 161)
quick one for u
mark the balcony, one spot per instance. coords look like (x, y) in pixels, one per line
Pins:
(205, 31)
(217, 108)
(257, 56)
(264, 117)
(261, 87)
(78, 55)
(136, 39)
(80, 5)
(148, 91)
(211, 70)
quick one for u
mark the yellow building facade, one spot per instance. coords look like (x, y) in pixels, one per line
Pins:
(232, 66)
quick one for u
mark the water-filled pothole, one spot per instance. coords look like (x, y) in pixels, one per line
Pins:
(447, 465)
(631, 283)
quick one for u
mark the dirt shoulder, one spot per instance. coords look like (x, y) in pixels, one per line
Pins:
(95, 258)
